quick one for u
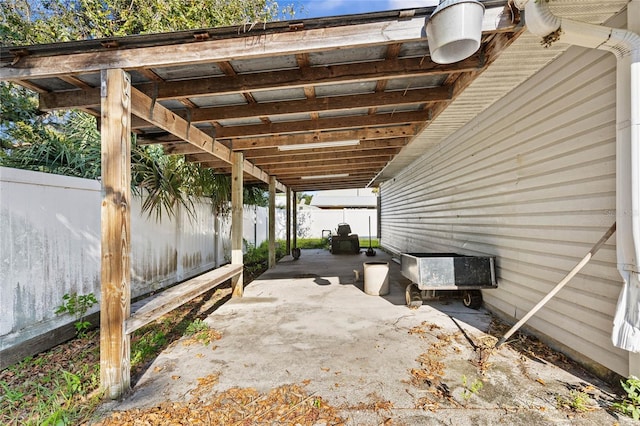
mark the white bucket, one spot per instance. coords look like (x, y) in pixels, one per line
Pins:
(376, 278)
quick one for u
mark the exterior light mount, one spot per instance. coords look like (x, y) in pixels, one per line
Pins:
(454, 30)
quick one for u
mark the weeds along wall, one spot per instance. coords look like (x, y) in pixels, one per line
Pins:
(50, 246)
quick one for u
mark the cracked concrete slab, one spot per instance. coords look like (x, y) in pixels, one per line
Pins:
(309, 322)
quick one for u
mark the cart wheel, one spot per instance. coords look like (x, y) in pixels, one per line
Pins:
(413, 296)
(472, 299)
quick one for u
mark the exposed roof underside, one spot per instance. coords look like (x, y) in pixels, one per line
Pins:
(256, 89)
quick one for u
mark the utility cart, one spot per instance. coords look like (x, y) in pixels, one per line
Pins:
(434, 275)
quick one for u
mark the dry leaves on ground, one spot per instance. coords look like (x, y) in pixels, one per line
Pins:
(289, 404)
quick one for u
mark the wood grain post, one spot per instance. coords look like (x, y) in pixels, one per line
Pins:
(272, 221)
(115, 301)
(237, 209)
(288, 225)
(295, 219)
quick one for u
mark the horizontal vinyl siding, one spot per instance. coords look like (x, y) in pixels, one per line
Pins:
(532, 181)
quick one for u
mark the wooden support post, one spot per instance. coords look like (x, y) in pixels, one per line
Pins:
(288, 225)
(272, 221)
(295, 219)
(237, 210)
(115, 301)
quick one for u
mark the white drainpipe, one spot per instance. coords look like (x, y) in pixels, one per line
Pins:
(625, 45)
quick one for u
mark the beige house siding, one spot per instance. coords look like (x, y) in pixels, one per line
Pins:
(532, 181)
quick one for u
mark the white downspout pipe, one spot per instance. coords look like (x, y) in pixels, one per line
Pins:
(625, 45)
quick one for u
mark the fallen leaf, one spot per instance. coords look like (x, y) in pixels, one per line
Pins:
(540, 381)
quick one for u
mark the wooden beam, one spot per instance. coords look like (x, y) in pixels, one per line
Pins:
(272, 222)
(144, 106)
(181, 148)
(288, 223)
(273, 80)
(315, 105)
(178, 295)
(253, 43)
(401, 131)
(293, 159)
(115, 376)
(162, 117)
(237, 210)
(284, 171)
(321, 164)
(295, 219)
(349, 122)
(369, 145)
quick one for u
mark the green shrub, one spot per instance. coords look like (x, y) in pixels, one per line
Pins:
(78, 306)
(630, 405)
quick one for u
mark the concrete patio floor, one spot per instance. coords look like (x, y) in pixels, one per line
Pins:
(308, 322)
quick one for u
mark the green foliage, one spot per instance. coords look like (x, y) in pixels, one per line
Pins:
(34, 393)
(630, 406)
(72, 149)
(470, 388)
(304, 198)
(196, 326)
(69, 143)
(78, 306)
(256, 259)
(577, 401)
(312, 243)
(147, 345)
(199, 330)
(322, 243)
(12, 396)
(34, 22)
(261, 253)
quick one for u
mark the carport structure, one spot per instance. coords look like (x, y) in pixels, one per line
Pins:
(299, 105)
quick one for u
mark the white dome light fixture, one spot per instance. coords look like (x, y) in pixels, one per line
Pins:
(454, 30)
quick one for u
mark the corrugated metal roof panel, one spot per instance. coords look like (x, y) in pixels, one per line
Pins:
(278, 95)
(172, 104)
(219, 100)
(399, 108)
(272, 63)
(289, 117)
(352, 112)
(345, 89)
(416, 82)
(188, 72)
(417, 49)
(239, 122)
(347, 56)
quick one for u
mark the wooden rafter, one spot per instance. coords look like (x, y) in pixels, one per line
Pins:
(273, 80)
(369, 80)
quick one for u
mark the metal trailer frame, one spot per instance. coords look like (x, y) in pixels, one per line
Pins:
(449, 274)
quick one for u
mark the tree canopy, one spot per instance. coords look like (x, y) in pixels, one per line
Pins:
(45, 21)
(68, 142)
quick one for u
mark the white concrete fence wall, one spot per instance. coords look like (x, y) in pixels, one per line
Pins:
(50, 246)
(311, 222)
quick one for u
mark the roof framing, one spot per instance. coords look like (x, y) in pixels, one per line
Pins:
(252, 89)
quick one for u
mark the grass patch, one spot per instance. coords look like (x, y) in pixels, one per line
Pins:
(322, 243)
(61, 386)
(56, 387)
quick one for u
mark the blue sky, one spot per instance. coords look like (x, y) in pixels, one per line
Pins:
(318, 8)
